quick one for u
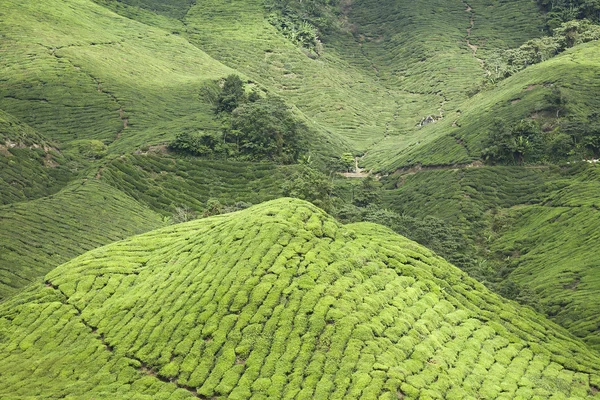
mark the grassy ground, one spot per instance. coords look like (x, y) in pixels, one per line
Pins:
(280, 301)
(38, 235)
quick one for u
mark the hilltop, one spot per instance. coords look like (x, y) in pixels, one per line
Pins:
(279, 300)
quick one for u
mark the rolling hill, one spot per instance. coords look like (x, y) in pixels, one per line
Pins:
(279, 301)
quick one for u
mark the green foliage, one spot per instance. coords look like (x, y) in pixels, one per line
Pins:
(231, 95)
(516, 144)
(164, 183)
(304, 22)
(560, 11)
(300, 32)
(310, 185)
(347, 161)
(30, 173)
(37, 236)
(511, 228)
(368, 192)
(254, 128)
(278, 300)
(503, 64)
(266, 129)
(203, 144)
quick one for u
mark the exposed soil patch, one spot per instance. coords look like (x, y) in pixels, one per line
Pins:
(49, 161)
(357, 173)
(4, 151)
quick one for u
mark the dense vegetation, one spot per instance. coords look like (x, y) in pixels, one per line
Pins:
(253, 127)
(279, 301)
(469, 127)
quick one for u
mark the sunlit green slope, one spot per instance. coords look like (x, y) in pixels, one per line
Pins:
(76, 71)
(458, 137)
(383, 68)
(279, 301)
(531, 232)
(37, 236)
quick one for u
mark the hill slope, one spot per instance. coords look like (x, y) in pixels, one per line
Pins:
(530, 230)
(37, 236)
(279, 301)
(458, 138)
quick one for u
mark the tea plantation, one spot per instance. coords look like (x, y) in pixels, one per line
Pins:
(533, 227)
(165, 182)
(37, 236)
(279, 301)
(471, 127)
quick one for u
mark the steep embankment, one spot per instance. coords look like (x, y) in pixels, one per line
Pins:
(279, 301)
(37, 236)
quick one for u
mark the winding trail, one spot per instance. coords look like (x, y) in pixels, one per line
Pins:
(469, 29)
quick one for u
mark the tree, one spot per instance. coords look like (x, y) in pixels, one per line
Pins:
(202, 144)
(310, 185)
(513, 144)
(347, 160)
(266, 129)
(368, 192)
(232, 95)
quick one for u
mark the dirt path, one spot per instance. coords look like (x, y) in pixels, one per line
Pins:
(469, 29)
(358, 172)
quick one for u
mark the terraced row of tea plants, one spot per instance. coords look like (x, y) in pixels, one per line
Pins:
(531, 232)
(165, 182)
(462, 136)
(280, 301)
(38, 235)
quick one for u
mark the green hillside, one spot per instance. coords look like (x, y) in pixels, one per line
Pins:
(30, 167)
(458, 139)
(38, 235)
(471, 127)
(164, 182)
(279, 301)
(531, 232)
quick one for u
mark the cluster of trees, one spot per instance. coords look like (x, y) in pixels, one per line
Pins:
(254, 127)
(300, 32)
(505, 63)
(557, 139)
(559, 11)
(303, 22)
